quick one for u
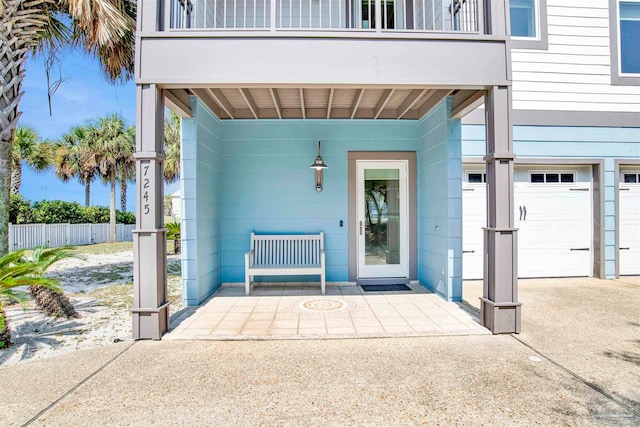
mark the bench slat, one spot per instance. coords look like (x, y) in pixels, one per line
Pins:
(283, 255)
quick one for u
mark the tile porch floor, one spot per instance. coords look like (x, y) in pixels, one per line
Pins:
(287, 312)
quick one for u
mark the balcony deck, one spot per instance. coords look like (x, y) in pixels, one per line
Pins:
(363, 16)
(372, 59)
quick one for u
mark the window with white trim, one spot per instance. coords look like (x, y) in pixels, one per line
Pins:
(630, 177)
(528, 24)
(552, 177)
(629, 36)
(474, 177)
(524, 18)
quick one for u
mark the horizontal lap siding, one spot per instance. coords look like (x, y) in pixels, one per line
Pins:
(268, 187)
(440, 206)
(575, 72)
(200, 183)
(566, 143)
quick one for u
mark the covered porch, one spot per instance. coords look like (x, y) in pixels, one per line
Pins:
(300, 312)
(252, 175)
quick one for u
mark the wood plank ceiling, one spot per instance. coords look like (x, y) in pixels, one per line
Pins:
(321, 103)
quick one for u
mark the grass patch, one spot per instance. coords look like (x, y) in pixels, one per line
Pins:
(121, 296)
(105, 248)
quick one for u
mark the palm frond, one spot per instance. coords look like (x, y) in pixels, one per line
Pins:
(45, 258)
(106, 30)
(11, 258)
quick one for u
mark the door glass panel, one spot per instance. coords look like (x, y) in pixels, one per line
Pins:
(382, 216)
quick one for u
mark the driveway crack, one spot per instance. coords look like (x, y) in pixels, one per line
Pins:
(74, 388)
(589, 384)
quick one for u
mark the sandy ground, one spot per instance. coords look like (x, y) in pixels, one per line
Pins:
(100, 287)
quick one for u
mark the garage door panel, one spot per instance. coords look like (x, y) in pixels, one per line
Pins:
(474, 218)
(629, 222)
(551, 218)
(574, 264)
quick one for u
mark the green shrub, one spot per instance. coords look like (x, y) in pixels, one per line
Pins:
(20, 210)
(57, 212)
(60, 212)
(96, 214)
(125, 217)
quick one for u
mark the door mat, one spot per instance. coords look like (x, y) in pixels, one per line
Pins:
(385, 288)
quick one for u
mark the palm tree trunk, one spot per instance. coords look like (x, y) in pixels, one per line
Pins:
(112, 213)
(16, 178)
(5, 332)
(52, 303)
(5, 178)
(87, 194)
(15, 43)
(123, 195)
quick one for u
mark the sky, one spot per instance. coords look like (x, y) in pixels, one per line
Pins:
(84, 95)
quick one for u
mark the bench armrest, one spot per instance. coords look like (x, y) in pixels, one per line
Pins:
(322, 263)
(248, 258)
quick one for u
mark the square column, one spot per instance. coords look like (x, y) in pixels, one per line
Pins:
(150, 306)
(500, 310)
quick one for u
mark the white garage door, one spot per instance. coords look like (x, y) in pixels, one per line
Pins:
(552, 213)
(629, 222)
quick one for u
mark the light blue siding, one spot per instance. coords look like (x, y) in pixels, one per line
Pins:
(268, 187)
(440, 203)
(253, 176)
(571, 142)
(200, 187)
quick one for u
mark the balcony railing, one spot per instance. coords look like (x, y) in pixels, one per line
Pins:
(328, 15)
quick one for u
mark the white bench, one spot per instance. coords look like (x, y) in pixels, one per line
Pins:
(284, 255)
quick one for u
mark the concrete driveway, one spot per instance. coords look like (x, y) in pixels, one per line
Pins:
(576, 363)
(589, 327)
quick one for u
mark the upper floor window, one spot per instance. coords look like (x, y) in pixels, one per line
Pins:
(624, 24)
(523, 18)
(630, 37)
(528, 24)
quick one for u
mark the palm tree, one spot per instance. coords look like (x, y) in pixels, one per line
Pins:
(75, 157)
(27, 146)
(115, 144)
(127, 170)
(103, 28)
(52, 301)
(17, 272)
(172, 148)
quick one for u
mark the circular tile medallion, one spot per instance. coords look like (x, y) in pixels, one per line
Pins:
(323, 305)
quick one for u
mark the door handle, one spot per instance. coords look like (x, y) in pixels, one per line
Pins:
(579, 249)
(361, 228)
(523, 213)
(624, 249)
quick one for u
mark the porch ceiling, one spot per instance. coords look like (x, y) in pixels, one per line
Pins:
(322, 103)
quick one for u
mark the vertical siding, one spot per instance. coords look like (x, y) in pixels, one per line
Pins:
(268, 187)
(440, 206)
(575, 72)
(200, 184)
(566, 143)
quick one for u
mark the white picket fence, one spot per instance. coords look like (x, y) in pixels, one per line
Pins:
(28, 236)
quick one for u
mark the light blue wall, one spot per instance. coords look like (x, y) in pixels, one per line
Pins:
(440, 206)
(200, 186)
(249, 176)
(267, 185)
(566, 143)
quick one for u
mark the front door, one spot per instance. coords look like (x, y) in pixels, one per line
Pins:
(383, 244)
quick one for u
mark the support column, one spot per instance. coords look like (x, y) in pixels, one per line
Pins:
(150, 306)
(500, 310)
